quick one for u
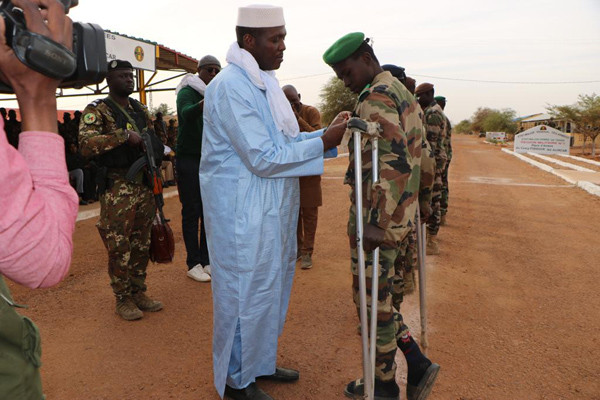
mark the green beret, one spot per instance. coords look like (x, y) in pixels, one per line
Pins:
(343, 48)
(440, 98)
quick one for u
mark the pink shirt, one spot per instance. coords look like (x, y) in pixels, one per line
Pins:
(38, 209)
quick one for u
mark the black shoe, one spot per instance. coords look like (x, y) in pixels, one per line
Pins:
(282, 375)
(383, 390)
(250, 392)
(422, 390)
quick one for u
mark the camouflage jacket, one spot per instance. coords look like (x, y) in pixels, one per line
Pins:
(160, 129)
(427, 173)
(434, 122)
(448, 143)
(100, 131)
(391, 202)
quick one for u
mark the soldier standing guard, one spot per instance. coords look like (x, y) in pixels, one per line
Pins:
(110, 130)
(441, 100)
(389, 207)
(435, 128)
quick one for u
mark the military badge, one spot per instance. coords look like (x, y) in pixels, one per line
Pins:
(89, 118)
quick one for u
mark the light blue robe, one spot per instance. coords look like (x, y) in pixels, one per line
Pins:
(249, 182)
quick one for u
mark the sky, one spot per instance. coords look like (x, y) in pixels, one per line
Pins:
(460, 46)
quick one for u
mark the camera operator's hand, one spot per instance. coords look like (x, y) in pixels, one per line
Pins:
(36, 93)
(134, 139)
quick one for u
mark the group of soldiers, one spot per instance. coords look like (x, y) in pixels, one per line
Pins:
(433, 191)
(111, 129)
(413, 152)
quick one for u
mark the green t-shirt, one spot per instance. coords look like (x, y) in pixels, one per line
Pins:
(189, 116)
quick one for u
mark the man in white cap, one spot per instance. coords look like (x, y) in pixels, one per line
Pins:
(252, 156)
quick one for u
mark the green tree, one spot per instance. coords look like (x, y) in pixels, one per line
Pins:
(478, 117)
(500, 121)
(335, 98)
(585, 115)
(163, 108)
(463, 126)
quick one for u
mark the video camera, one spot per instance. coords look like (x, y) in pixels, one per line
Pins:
(85, 65)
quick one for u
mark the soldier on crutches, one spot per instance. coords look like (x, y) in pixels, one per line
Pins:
(384, 203)
(359, 127)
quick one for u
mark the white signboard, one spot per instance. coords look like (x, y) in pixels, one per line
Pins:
(498, 136)
(542, 139)
(140, 54)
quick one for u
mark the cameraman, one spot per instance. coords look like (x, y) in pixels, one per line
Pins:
(38, 205)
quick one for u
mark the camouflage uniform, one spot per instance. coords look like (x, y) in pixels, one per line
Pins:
(126, 208)
(390, 203)
(406, 262)
(434, 122)
(445, 192)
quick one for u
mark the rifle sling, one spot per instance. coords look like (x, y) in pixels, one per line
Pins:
(116, 105)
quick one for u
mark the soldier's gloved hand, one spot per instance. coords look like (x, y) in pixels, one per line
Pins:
(372, 237)
(134, 139)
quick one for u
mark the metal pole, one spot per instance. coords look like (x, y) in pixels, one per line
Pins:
(362, 284)
(375, 272)
(421, 240)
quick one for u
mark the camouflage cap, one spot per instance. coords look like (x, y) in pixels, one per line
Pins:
(439, 98)
(119, 64)
(423, 87)
(343, 48)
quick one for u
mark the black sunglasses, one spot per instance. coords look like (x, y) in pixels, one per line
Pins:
(216, 70)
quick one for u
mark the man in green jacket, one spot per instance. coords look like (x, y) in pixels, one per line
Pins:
(190, 107)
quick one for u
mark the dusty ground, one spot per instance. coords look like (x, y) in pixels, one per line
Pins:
(514, 304)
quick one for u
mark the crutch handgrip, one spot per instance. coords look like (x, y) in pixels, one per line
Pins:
(364, 127)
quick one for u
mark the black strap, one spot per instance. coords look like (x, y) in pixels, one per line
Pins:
(117, 107)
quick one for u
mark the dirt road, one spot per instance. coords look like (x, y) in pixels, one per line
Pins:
(514, 303)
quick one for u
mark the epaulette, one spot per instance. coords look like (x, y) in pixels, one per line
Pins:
(95, 103)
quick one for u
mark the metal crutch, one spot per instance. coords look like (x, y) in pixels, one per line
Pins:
(421, 240)
(358, 127)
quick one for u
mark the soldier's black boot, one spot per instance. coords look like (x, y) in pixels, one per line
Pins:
(383, 390)
(422, 373)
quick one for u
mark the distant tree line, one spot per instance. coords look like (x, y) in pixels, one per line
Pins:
(488, 120)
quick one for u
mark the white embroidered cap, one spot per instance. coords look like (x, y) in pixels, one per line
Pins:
(260, 16)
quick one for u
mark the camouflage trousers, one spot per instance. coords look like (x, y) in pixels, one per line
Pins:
(403, 282)
(445, 191)
(433, 223)
(126, 213)
(390, 326)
